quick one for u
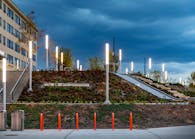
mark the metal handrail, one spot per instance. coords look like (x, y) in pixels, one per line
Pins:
(1, 91)
(14, 87)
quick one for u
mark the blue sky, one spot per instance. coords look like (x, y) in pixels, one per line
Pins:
(161, 29)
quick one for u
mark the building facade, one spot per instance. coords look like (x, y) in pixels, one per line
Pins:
(16, 30)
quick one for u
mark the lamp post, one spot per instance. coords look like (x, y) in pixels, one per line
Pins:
(62, 60)
(78, 64)
(163, 72)
(30, 62)
(4, 83)
(81, 67)
(107, 101)
(46, 47)
(132, 66)
(17, 64)
(120, 59)
(166, 76)
(56, 58)
(126, 71)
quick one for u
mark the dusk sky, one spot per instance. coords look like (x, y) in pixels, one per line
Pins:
(161, 29)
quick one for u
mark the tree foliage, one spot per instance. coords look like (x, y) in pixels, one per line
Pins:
(95, 63)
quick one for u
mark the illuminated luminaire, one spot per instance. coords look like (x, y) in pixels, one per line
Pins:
(46, 41)
(107, 54)
(132, 66)
(30, 49)
(56, 52)
(166, 75)
(180, 80)
(17, 64)
(120, 55)
(150, 63)
(62, 58)
(163, 67)
(81, 67)
(78, 64)
(126, 71)
(4, 70)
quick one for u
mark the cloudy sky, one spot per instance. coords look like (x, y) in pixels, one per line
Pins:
(161, 29)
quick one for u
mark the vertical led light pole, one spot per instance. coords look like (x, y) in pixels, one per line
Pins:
(166, 76)
(17, 64)
(62, 58)
(81, 67)
(126, 71)
(132, 66)
(163, 72)
(4, 83)
(30, 68)
(107, 101)
(78, 64)
(47, 47)
(163, 67)
(56, 58)
(120, 59)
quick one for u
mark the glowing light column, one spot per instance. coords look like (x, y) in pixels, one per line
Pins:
(132, 66)
(46, 47)
(30, 62)
(163, 72)
(78, 64)
(4, 83)
(56, 58)
(120, 59)
(62, 61)
(107, 101)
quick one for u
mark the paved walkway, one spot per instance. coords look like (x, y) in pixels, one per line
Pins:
(182, 132)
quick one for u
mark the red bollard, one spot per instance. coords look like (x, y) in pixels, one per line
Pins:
(113, 121)
(94, 120)
(59, 121)
(41, 122)
(77, 121)
(130, 121)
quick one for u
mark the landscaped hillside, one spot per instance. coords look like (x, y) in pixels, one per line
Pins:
(120, 90)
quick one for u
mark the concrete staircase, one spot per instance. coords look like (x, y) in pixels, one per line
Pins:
(16, 81)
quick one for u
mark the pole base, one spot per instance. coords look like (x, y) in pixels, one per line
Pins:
(30, 90)
(107, 102)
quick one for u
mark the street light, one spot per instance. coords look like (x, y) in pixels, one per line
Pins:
(46, 47)
(4, 83)
(62, 58)
(120, 59)
(132, 66)
(78, 64)
(163, 67)
(107, 101)
(149, 66)
(30, 62)
(56, 58)
(166, 75)
(81, 67)
(17, 64)
(126, 71)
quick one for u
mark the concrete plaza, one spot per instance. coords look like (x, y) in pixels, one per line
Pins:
(181, 132)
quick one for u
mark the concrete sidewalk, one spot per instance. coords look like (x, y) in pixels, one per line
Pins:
(182, 132)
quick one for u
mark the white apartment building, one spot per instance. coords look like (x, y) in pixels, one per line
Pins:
(16, 30)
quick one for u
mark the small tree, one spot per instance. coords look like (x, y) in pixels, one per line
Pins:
(95, 63)
(156, 75)
(193, 78)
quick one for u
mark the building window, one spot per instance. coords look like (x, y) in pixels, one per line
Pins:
(4, 8)
(17, 33)
(17, 48)
(10, 59)
(0, 21)
(10, 44)
(23, 25)
(23, 52)
(0, 4)
(10, 13)
(17, 19)
(4, 40)
(4, 24)
(34, 58)
(0, 38)
(9, 28)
